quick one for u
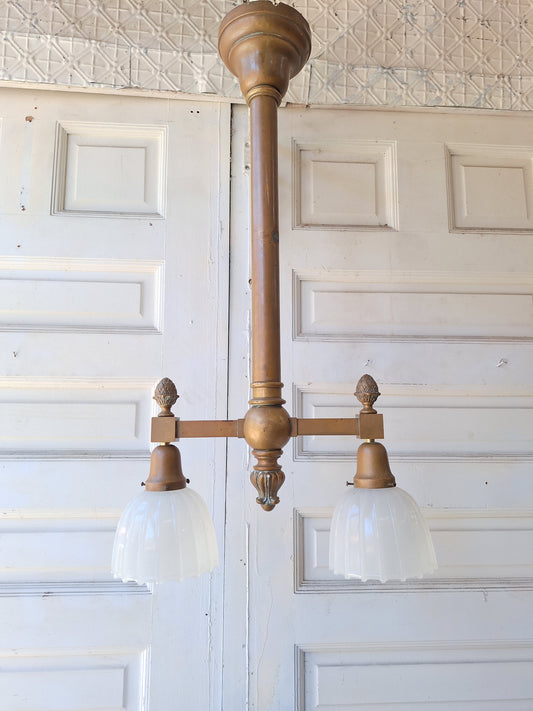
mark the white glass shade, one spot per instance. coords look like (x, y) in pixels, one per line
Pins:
(164, 535)
(380, 534)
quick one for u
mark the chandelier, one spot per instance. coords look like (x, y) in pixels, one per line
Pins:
(166, 532)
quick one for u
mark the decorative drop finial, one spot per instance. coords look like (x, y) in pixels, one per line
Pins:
(166, 395)
(367, 392)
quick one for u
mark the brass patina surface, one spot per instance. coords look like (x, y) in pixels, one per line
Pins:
(264, 46)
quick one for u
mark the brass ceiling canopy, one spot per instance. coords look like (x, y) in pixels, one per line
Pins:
(264, 45)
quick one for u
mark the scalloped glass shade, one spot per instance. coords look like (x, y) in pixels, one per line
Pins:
(380, 534)
(164, 535)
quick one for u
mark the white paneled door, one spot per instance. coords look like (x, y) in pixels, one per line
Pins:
(113, 273)
(406, 244)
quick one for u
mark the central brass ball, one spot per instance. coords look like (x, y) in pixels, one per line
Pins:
(267, 427)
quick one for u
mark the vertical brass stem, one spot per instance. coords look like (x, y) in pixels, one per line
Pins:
(264, 45)
(266, 359)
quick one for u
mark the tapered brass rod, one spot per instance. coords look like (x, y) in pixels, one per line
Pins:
(266, 359)
(264, 45)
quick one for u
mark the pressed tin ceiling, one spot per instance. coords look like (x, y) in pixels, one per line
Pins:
(475, 53)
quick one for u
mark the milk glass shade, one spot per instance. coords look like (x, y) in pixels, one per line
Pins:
(163, 536)
(380, 534)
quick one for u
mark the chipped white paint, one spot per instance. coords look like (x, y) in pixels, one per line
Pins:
(379, 52)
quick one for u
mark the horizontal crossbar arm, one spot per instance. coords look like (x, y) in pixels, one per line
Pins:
(169, 429)
(324, 426)
(366, 426)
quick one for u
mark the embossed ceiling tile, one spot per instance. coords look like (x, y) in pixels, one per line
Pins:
(499, 34)
(355, 88)
(347, 83)
(512, 42)
(298, 92)
(167, 18)
(382, 47)
(125, 21)
(90, 19)
(21, 50)
(160, 71)
(481, 92)
(10, 17)
(61, 57)
(387, 85)
(322, 83)
(75, 18)
(424, 37)
(430, 17)
(164, 70)
(504, 93)
(316, 13)
(503, 60)
(137, 28)
(520, 99)
(517, 43)
(526, 97)
(175, 23)
(417, 52)
(47, 61)
(467, 92)
(225, 82)
(35, 17)
(526, 19)
(460, 17)
(385, 12)
(424, 88)
(370, 86)
(348, 49)
(347, 12)
(422, 52)
(465, 56)
(200, 28)
(460, 92)
(104, 65)
(203, 78)
(78, 62)
(17, 18)
(525, 68)
(327, 27)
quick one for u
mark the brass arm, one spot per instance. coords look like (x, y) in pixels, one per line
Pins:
(167, 428)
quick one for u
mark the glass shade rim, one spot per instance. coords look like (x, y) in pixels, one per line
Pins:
(380, 534)
(164, 536)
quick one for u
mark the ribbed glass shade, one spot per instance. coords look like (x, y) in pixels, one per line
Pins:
(380, 534)
(164, 535)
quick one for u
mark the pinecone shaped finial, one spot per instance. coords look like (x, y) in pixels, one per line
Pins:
(367, 392)
(166, 395)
